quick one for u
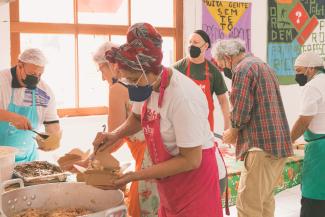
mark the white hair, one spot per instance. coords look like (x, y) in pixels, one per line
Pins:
(33, 56)
(227, 47)
(99, 55)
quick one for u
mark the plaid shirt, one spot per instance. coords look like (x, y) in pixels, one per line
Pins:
(258, 109)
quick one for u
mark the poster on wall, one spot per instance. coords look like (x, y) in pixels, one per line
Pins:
(227, 19)
(294, 27)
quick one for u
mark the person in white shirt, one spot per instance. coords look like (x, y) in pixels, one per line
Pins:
(27, 102)
(173, 112)
(310, 74)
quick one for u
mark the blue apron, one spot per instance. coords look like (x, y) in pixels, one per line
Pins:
(313, 172)
(21, 139)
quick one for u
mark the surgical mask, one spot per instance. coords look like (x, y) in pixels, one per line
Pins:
(140, 93)
(227, 72)
(31, 81)
(301, 79)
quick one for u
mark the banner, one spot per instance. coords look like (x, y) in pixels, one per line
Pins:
(224, 19)
(294, 27)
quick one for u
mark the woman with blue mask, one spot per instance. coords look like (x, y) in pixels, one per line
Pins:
(310, 74)
(143, 199)
(26, 103)
(173, 113)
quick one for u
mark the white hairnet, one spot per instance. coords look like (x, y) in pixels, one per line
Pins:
(99, 55)
(309, 59)
(34, 56)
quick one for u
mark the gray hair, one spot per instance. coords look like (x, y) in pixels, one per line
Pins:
(227, 47)
(99, 55)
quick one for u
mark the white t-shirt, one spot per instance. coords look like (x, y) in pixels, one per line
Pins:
(184, 114)
(313, 103)
(45, 101)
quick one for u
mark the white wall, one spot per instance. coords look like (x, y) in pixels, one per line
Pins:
(4, 37)
(193, 21)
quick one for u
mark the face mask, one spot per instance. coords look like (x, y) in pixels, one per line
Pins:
(194, 51)
(227, 72)
(301, 79)
(31, 81)
(139, 93)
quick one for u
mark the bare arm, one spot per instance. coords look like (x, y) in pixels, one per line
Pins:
(19, 121)
(224, 105)
(52, 128)
(188, 159)
(300, 127)
(117, 113)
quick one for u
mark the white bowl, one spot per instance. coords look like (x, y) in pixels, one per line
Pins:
(7, 162)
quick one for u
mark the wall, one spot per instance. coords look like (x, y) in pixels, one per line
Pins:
(193, 21)
(4, 37)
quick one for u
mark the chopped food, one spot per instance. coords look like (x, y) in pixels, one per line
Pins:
(36, 168)
(60, 212)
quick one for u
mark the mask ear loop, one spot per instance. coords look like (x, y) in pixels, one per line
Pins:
(143, 72)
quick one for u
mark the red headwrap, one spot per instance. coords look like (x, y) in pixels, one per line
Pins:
(144, 42)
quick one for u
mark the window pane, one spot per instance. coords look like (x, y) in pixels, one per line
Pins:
(168, 51)
(93, 91)
(46, 11)
(59, 73)
(118, 39)
(114, 12)
(160, 13)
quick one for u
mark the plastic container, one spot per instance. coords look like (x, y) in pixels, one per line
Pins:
(7, 162)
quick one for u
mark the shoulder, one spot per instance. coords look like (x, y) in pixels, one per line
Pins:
(118, 91)
(181, 64)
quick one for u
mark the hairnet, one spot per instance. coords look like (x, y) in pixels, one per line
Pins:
(309, 59)
(34, 56)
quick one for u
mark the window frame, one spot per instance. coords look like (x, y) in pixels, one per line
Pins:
(17, 27)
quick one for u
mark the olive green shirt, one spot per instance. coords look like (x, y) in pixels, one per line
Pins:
(197, 72)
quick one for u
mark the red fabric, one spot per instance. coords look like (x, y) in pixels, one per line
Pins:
(189, 194)
(144, 42)
(206, 88)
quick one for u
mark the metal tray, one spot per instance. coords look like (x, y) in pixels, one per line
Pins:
(40, 172)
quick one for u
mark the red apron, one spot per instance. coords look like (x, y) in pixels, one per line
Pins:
(190, 194)
(206, 88)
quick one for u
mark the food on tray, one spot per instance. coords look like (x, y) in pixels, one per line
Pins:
(37, 168)
(36, 172)
(60, 212)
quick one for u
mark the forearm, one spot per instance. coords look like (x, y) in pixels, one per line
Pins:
(131, 126)
(300, 126)
(171, 167)
(52, 128)
(188, 159)
(5, 115)
(226, 115)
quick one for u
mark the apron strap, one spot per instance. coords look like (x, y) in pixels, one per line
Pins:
(163, 85)
(12, 95)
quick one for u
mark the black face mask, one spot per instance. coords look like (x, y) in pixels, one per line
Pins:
(31, 81)
(227, 72)
(194, 51)
(301, 79)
